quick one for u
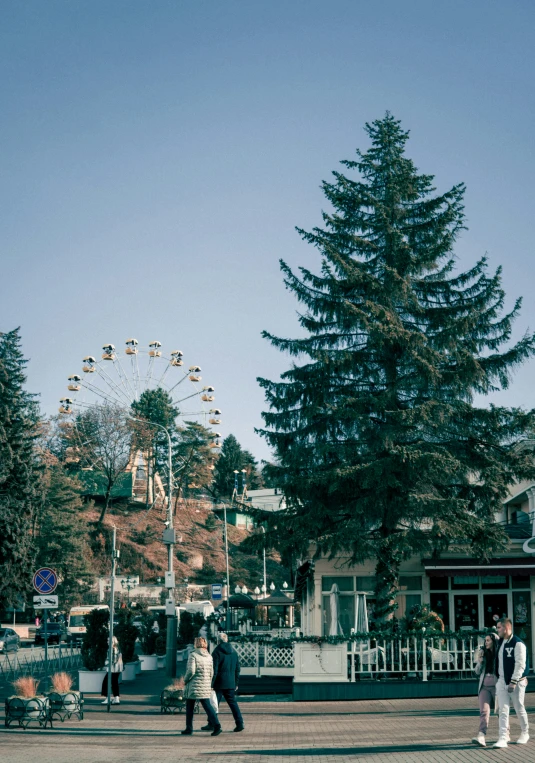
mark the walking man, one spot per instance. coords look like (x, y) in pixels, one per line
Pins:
(225, 680)
(511, 668)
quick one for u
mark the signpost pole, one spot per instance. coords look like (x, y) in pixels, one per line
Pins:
(226, 562)
(45, 636)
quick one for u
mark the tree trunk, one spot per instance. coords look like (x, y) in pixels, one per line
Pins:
(106, 504)
(387, 579)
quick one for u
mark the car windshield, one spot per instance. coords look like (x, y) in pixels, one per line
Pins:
(76, 620)
(2, 633)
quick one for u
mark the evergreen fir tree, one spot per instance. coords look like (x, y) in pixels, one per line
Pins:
(20, 473)
(61, 536)
(382, 451)
(233, 458)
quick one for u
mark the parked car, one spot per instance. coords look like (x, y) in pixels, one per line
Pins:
(56, 633)
(9, 640)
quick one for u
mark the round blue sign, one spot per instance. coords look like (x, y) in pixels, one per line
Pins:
(45, 580)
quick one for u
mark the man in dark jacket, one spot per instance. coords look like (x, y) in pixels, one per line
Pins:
(226, 676)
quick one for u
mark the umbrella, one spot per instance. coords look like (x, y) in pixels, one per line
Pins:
(361, 614)
(334, 596)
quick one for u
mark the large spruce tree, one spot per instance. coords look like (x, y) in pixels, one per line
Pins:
(21, 481)
(382, 450)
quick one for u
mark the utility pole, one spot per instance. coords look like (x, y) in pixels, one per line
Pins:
(114, 557)
(226, 561)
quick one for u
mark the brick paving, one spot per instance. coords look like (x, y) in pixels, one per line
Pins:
(277, 729)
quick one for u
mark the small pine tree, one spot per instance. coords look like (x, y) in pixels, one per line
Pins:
(382, 452)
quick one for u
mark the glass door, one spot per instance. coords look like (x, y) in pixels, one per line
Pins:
(495, 606)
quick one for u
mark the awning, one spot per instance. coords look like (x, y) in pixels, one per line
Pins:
(277, 599)
(440, 568)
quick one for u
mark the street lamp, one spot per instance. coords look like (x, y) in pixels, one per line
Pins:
(128, 584)
(245, 590)
(285, 585)
(272, 586)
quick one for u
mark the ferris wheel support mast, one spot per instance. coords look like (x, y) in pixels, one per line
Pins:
(169, 538)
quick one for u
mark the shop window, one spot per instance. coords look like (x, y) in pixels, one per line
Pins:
(439, 584)
(440, 603)
(494, 608)
(410, 582)
(495, 581)
(405, 602)
(522, 616)
(521, 581)
(346, 614)
(344, 583)
(366, 585)
(466, 608)
(464, 581)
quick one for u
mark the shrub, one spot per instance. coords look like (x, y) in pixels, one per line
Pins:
(95, 643)
(189, 627)
(26, 686)
(127, 635)
(176, 685)
(62, 682)
(147, 634)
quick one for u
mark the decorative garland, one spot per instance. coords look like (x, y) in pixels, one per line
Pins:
(371, 636)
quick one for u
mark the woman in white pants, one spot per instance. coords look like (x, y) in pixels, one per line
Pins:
(511, 669)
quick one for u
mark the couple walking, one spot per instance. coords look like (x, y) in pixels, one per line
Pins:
(502, 668)
(208, 673)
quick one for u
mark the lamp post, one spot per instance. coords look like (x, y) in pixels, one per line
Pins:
(128, 584)
(169, 540)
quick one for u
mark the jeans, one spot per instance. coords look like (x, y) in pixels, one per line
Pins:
(504, 701)
(114, 685)
(213, 720)
(486, 698)
(230, 696)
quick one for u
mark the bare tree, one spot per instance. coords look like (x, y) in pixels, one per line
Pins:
(101, 439)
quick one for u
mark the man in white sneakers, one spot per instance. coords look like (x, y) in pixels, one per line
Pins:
(511, 669)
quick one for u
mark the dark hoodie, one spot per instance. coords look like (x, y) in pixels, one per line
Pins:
(226, 667)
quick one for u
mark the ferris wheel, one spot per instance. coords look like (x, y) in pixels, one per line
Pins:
(121, 382)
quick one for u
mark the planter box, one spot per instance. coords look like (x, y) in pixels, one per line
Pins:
(138, 667)
(129, 672)
(90, 681)
(22, 711)
(321, 664)
(161, 661)
(148, 661)
(64, 705)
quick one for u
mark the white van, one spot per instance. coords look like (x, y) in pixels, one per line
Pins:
(76, 627)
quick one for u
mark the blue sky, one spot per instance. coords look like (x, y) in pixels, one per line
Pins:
(156, 157)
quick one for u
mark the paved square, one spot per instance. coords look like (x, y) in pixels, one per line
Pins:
(277, 729)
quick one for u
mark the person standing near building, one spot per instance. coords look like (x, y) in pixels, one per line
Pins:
(511, 669)
(116, 670)
(198, 680)
(485, 668)
(226, 677)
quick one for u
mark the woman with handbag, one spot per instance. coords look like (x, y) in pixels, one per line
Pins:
(198, 681)
(485, 668)
(116, 670)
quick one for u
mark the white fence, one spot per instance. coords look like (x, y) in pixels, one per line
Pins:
(399, 657)
(31, 662)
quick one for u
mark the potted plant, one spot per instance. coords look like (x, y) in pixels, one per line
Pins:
(161, 648)
(26, 705)
(64, 701)
(127, 635)
(172, 697)
(94, 651)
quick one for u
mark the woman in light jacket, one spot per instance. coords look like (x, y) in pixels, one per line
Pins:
(485, 668)
(198, 680)
(116, 670)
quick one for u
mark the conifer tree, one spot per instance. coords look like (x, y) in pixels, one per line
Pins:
(381, 449)
(233, 458)
(20, 473)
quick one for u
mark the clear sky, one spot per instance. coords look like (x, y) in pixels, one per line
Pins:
(156, 156)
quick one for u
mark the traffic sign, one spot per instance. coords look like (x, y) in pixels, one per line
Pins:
(217, 591)
(45, 602)
(45, 580)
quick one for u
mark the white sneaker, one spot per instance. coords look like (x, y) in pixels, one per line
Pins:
(523, 738)
(104, 702)
(480, 740)
(115, 701)
(502, 742)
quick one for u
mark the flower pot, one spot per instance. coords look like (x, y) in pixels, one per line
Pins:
(66, 704)
(129, 671)
(90, 681)
(24, 710)
(161, 661)
(172, 701)
(138, 667)
(148, 661)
